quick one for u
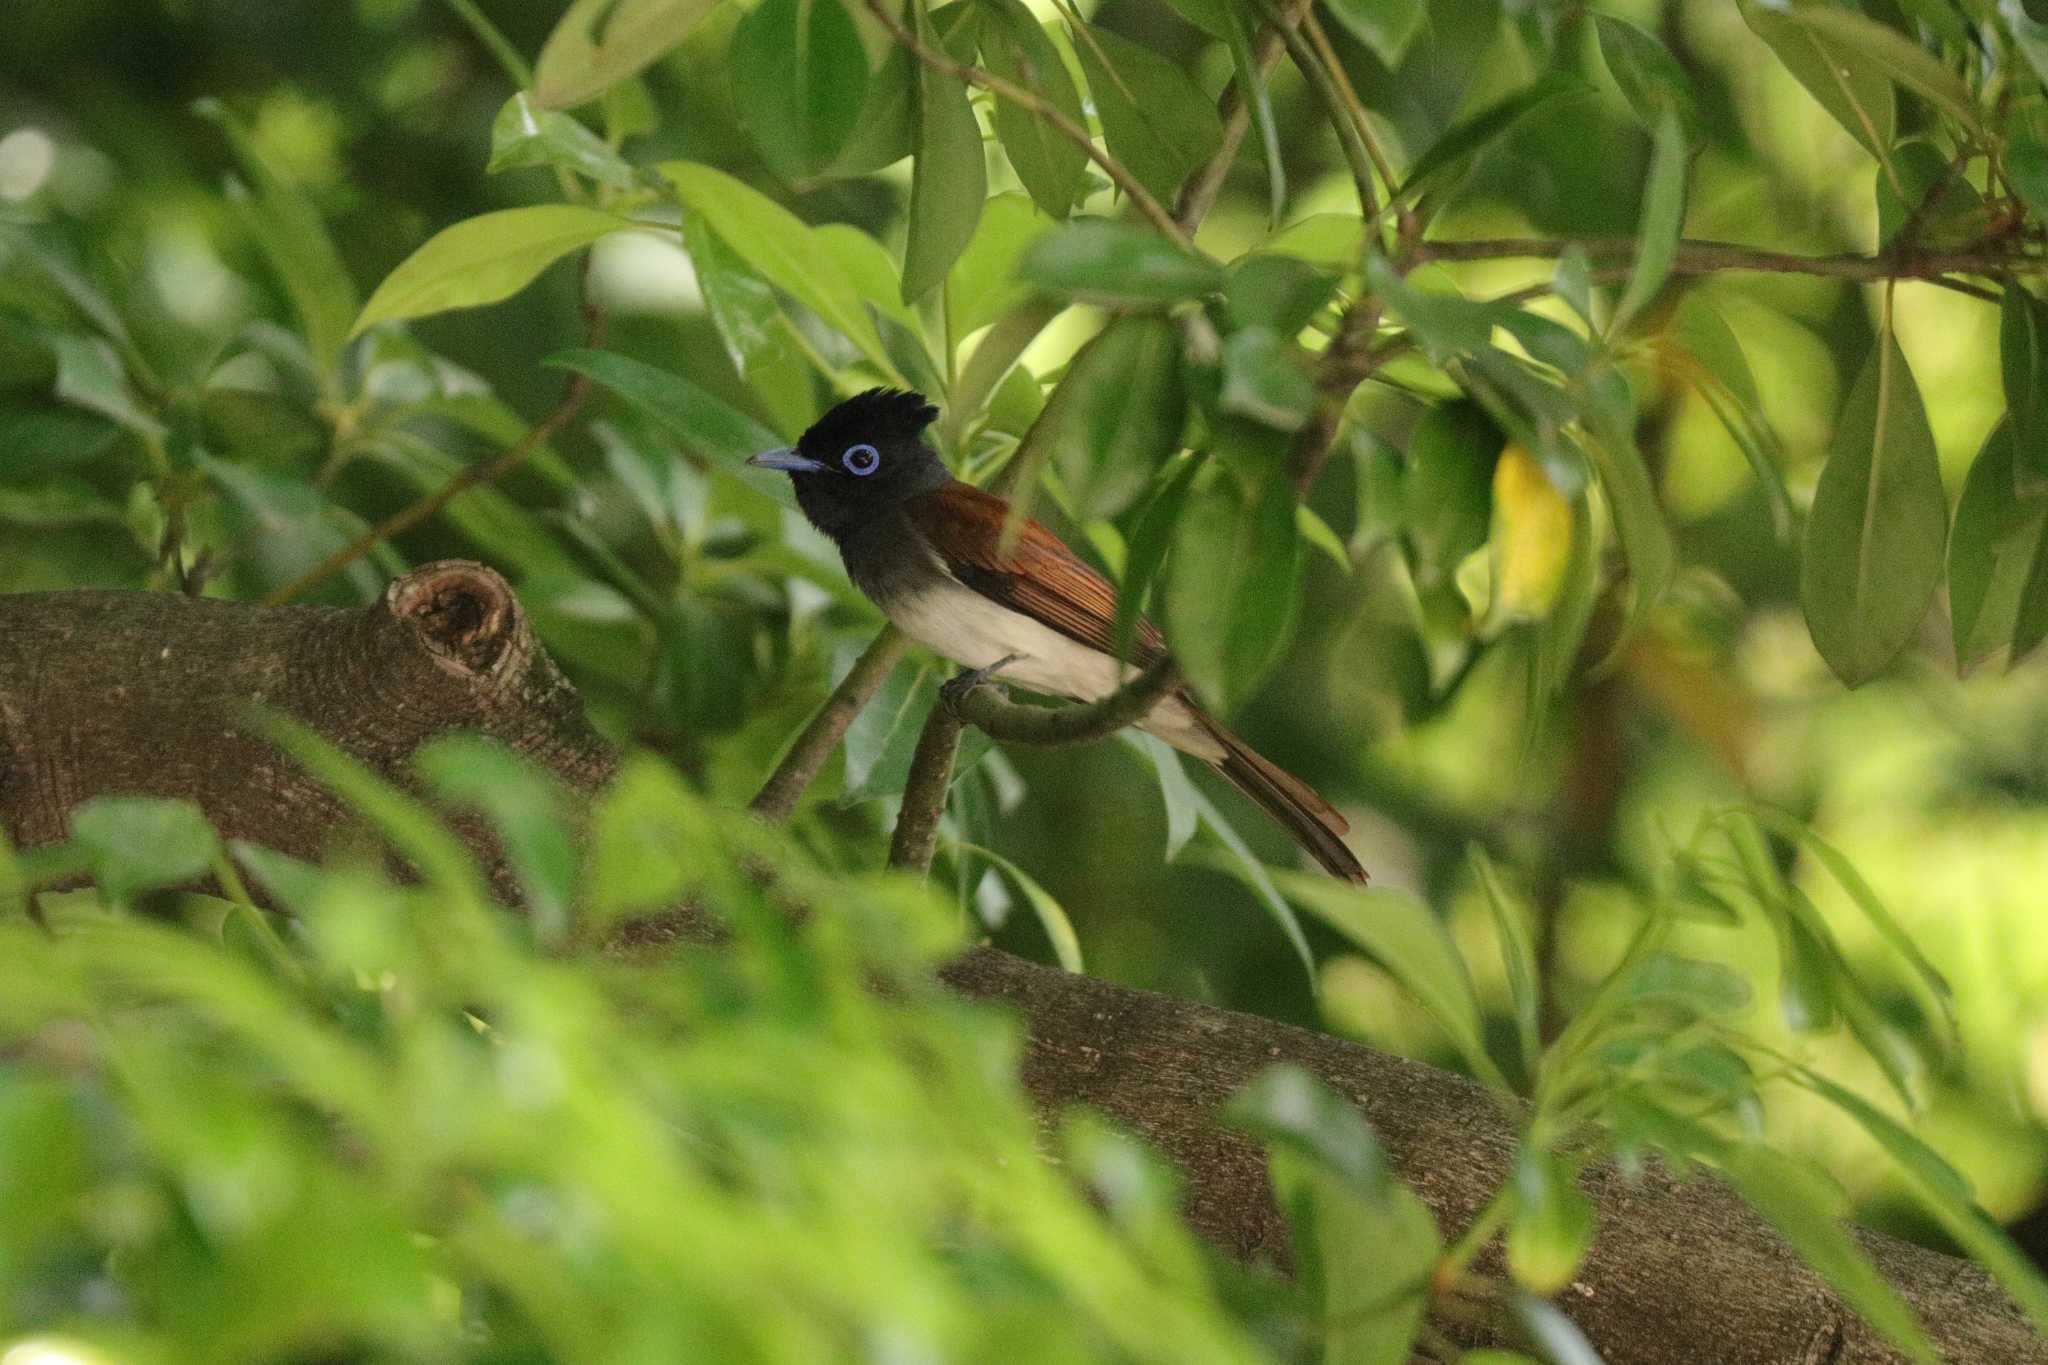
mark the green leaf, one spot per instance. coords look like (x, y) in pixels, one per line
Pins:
(1518, 955)
(1448, 492)
(1639, 522)
(800, 77)
(1151, 538)
(1555, 1335)
(1802, 1206)
(138, 843)
(722, 433)
(1176, 792)
(1855, 91)
(90, 375)
(1263, 380)
(1650, 78)
(1115, 418)
(1447, 324)
(1117, 263)
(482, 260)
(1869, 45)
(1234, 593)
(984, 286)
(1662, 219)
(1996, 554)
(1385, 26)
(2026, 162)
(778, 245)
(57, 502)
(598, 43)
(1017, 49)
(1339, 1196)
(1729, 387)
(1154, 118)
(1943, 1192)
(527, 808)
(1405, 936)
(751, 325)
(1470, 136)
(1066, 945)
(2023, 366)
(1251, 79)
(1552, 1225)
(1948, 209)
(288, 229)
(948, 177)
(1874, 537)
(523, 135)
(1267, 289)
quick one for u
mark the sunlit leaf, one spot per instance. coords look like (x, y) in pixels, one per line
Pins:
(1662, 218)
(525, 135)
(801, 74)
(483, 259)
(948, 179)
(1117, 263)
(1155, 119)
(598, 43)
(1018, 50)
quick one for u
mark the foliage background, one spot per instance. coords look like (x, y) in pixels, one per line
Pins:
(648, 581)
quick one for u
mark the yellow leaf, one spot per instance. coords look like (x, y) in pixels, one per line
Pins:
(1531, 538)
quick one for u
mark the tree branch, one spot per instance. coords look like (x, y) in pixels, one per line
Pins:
(924, 794)
(1698, 257)
(1030, 103)
(1198, 194)
(785, 786)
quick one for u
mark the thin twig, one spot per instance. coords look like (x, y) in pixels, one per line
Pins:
(1031, 104)
(924, 793)
(468, 477)
(807, 755)
(1057, 727)
(1698, 257)
(1348, 94)
(1198, 193)
(1312, 66)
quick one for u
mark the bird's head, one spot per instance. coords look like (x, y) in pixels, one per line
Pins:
(864, 456)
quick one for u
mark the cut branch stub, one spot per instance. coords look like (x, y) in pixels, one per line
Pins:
(123, 693)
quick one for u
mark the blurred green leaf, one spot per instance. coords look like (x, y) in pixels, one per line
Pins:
(482, 260)
(1404, 936)
(1650, 78)
(1267, 289)
(1552, 1225)
(1855, 89)
(1470, 136)
(529, 811)
(1945, 208)
(1997, 572)
(90, 374)
(139, 843)
(1176, 792)
(523, 135)
(1115, 418)
(1800, 1204)
(1663, 219)
(1017, 49)
(598, 43)
(1518, 954)
(800, 77)
(1117, 263)
(776, 243)
(1447, 503)
(1726, 382)
(1234, 592)
(719, 431)
(1066, 946)
(1874, 538)
(1385, 26)
(1639, 522)
(1152, 537)
(1263, 381)
(1557, 1336)
(948, 178)
(288, 229)
(1154, 118)
(983, 286)
(2023, 366)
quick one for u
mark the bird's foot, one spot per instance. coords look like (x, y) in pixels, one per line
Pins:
(955, 689)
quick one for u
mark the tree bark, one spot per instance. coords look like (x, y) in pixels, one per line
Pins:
(104, 693)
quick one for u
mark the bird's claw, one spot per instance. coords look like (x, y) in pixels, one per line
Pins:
(955, 689)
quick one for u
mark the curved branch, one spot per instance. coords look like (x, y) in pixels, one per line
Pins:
(779, 794)
(1056, 727)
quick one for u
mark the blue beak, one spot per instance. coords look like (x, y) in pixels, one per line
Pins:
(785, 458)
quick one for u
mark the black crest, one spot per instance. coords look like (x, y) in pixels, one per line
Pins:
(882, 417)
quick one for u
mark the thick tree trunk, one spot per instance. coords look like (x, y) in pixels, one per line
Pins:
(116, 692)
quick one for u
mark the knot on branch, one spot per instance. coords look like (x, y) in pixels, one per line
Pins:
(465, 614)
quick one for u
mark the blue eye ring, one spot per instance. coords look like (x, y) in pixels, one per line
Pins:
(862, 459)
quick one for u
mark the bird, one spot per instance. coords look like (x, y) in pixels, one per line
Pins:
(930, 551)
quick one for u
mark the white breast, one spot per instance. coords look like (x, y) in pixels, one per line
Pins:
(958, 623)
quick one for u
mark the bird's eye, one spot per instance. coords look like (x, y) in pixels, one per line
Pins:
(861, 459)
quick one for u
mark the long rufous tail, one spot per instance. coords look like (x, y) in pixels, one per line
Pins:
(1310, 819)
